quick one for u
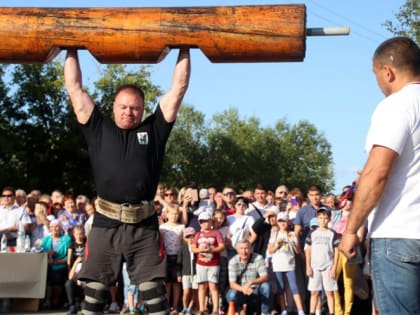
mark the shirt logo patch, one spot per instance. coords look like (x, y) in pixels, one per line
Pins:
(143, 138)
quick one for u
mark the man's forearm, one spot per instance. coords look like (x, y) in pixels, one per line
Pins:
(72, 72)
(370, 186)
(182, 72)
(260, 280)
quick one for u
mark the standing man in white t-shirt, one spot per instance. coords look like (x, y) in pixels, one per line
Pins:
(389, 183)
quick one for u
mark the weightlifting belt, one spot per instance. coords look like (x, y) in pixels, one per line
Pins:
(125, 212)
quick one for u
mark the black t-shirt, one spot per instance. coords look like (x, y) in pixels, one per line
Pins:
(78, 250)
(126, 164)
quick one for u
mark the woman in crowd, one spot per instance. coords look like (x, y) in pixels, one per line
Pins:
(56, 245)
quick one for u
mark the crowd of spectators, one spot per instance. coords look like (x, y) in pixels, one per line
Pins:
(275, 250)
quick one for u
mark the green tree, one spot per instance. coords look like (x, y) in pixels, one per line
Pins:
(243, 153)
(408, 18)
(186, 150)
(44, 151)
(307, 157)
(114, 76)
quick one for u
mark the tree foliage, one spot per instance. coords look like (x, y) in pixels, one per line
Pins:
(42, 146)
(408, 18)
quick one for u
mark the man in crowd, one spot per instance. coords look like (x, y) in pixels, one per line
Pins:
(248, 280)
(126, 156)
(306, 213)
(11, 215)
(388, 186)
(257, 208)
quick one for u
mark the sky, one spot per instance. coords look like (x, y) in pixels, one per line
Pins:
(333, 88)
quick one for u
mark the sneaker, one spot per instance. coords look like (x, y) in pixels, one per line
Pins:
(113, 308)
(141, 309)
(284, 312)
(124, 309)
(184, 311)
(72, 309)
(301, 313)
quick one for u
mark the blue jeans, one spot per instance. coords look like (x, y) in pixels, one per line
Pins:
(128, 287)
(291, 278)
(395, 275)
(262, 293)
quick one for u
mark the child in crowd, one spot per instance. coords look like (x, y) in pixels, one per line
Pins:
(282, 247)
(187, 274)
(132, 296)
(172, 239)
(220, 224)
(77, 246)
(75, 255)
(208, 244)
(74, 287)
(321, 260)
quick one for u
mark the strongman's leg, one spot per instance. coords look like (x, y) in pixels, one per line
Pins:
(95, 293)
(153, 294)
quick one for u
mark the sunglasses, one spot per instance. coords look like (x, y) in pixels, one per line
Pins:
(228, 193)
(7, 196)
(203, 221)
(169, 194)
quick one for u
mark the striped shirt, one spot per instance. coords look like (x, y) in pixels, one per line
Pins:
(255, 269)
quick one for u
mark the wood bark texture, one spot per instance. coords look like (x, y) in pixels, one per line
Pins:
(261, 33)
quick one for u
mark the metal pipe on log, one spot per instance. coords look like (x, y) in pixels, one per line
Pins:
(261, 33)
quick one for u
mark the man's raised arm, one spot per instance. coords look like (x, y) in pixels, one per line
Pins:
(82, 103)
(172, 100)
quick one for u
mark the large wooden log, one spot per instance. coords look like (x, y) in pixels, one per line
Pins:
(260, 33)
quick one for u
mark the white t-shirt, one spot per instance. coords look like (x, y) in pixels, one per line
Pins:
(238, 223)
(395, 124)
(283, 259)
(252, 211)
(172, 237)
(10, 217)
(239, 227)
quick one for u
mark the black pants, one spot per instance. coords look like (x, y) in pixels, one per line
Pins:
(74, 292)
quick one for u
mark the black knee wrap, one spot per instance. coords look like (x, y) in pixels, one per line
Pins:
(95, 294)
(153, 294)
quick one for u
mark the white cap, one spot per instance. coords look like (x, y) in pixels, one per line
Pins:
(204, 216)
(282, 216)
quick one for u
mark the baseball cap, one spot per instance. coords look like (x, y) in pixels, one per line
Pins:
(189, 231)
(282, 216)
(324, 209)
(204, 216)
(313, 222)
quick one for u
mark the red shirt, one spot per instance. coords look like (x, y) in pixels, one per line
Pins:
(208, 239)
